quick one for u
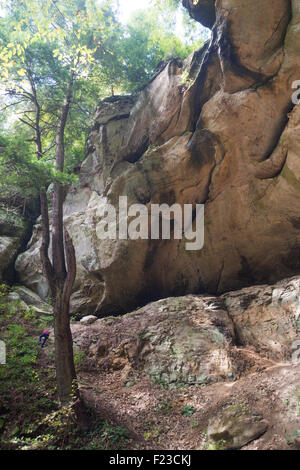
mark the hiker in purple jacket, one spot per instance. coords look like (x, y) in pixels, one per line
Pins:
(43, 338)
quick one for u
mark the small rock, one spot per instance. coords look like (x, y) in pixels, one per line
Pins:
(88, 320)
(13, 296)
(234, 428)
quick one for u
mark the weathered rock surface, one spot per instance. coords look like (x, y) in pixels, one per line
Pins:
(267, 317)
(31, 299)
(12, 234)
(227, 136)
(202, 10)
(235, 427)
(198, 340)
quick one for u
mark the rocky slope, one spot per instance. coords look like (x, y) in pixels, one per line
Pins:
(219, 128)
(194, 372)
(190, 372)
(198, 340)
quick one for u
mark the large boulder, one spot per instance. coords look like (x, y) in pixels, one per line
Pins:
(13, 231)
(175, 342)
(31, 299)
(198, 340)
(219, 128)
(267, 317)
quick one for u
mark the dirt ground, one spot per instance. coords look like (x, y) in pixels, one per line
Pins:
(155, 419)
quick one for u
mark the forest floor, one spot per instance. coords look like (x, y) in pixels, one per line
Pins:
(133, 415)
(178, 419)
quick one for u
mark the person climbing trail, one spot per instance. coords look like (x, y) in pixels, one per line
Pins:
(43, 338)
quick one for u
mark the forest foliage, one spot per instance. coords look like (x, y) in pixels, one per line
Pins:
(44, 43)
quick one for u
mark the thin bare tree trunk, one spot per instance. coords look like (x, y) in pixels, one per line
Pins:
(62, 248)
(65, 370)
(61, 270)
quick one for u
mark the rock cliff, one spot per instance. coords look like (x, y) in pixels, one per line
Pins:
(218, 129)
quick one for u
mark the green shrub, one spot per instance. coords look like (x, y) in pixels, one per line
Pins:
(188, 411)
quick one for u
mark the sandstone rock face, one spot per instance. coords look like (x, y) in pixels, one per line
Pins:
(31, 299)
(220, 129)
(8, 250)
(267, 317)
(202, 10)
(12, 233)
(198, 340)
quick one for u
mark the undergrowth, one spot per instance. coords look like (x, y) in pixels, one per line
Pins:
(30, 416)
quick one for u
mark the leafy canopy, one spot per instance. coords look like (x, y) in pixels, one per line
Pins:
(45, 44)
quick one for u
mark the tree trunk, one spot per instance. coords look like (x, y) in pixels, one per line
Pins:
(64, 276)
(61, 270)
(65, 370)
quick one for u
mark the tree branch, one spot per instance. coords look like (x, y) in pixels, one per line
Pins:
(49, 148)
(28, 124)
(10, 105)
